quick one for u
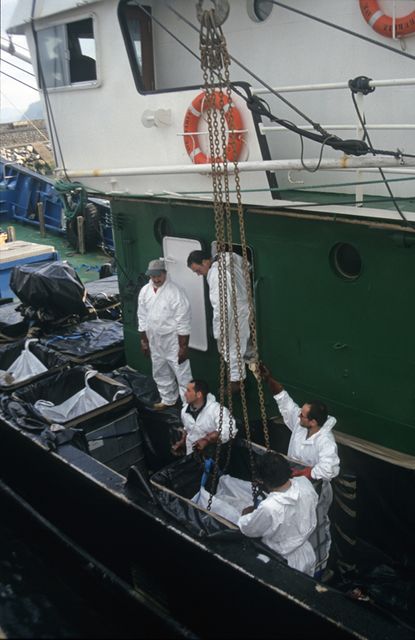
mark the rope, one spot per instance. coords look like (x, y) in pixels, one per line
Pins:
(21, 81)
(66, 191)
(29, 121)
(336, 26)
(366, 135)
(29, 73)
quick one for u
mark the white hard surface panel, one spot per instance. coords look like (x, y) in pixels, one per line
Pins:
(19, 249)
(175, 252)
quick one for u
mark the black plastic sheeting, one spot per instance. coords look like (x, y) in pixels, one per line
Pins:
(118, 443)
(107, 286)
(9, 315)
(12, 324)
(58, 388)
(50, 359)
(99, 342)
(143, 387)
(104, 295)
(183, 478)
(50, 290)
(381, 584)
(160, 429)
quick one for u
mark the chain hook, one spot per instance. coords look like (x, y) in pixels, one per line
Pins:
(217, 15)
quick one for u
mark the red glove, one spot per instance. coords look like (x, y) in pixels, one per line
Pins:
(302, 472)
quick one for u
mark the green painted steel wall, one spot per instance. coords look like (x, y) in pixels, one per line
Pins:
(350, 343)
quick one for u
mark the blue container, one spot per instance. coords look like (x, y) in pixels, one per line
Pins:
(14, 254)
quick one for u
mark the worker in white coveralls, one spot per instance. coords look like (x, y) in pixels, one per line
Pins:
(201, 419)
(203, 265)
(164, 318)
(312, 443)
(285, 519)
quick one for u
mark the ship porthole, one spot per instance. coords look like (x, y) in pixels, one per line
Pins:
(346, 261)
(259, 10)
(161, 228)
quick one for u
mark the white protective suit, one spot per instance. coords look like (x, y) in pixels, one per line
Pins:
(284, 521)
(319, 452)
(206, 422)
(242, 306)
(164, 314)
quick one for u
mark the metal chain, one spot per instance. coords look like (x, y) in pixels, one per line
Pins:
(210, 58)
(245, 263)
(215, 63)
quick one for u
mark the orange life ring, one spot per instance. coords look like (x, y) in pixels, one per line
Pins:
(191, 124)
(383, 24)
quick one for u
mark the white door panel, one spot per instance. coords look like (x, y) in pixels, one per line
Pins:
(175, 251)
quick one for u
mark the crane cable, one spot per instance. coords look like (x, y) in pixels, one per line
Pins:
(215, 62)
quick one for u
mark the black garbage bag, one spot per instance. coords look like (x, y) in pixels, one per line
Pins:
(99, 342)
(9, 315)
(382, 584)
(387, 587)
(104, 295)
(160, 429)
(13, 324)
(143, 387)
(53, 288)
(176, 484)
(182, 479)
(20, 414)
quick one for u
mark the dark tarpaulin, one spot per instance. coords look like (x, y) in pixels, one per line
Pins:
(52, 286)
(85, 338)
(161, 429)
(143, 387)
(13, 325)
(182, 481)
(104, 295)
(9, 315)
(104, 286)
(118, 443)
(100, 342)
(184, 477)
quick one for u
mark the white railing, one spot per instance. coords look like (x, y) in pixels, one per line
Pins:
(329, 86)
(398, 82)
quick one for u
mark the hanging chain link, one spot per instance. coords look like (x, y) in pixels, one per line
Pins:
(215, 63)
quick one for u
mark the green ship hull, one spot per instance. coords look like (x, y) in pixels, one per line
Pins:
(346, 339)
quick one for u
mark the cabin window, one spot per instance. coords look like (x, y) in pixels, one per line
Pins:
(136, 25)
(67, 54)
(259, 10)
(346, 261)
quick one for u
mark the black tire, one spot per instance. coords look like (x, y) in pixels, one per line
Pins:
(92, 229)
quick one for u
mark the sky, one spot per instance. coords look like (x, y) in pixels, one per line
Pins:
(15, 97)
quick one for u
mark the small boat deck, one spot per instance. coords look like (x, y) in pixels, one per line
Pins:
(87, 265)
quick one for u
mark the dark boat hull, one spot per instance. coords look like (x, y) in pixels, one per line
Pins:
(200, 583)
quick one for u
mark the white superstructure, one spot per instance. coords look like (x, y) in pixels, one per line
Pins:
(124, 113)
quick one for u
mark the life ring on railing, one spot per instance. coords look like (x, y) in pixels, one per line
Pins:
(191, 124)
(383, 24)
